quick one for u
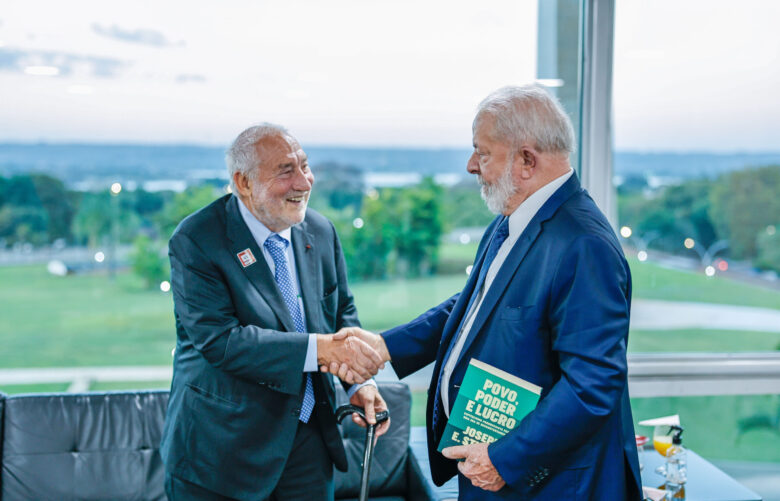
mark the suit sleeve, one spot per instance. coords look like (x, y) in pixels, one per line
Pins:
(206, 313)
(414, 345)
(588, 317)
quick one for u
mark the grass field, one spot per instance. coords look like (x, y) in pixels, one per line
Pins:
(710, 423)
(90, 320)
(83, 320)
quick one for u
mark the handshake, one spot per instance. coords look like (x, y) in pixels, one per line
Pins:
(352, 354)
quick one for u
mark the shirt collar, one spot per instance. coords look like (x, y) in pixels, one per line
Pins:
(257, 228)
(520, 218)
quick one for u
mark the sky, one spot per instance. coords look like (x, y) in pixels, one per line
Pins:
(689, 75)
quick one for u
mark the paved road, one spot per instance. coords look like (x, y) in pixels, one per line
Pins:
(647, 314)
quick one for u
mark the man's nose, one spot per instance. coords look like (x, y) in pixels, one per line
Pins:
(472, 166)
(303, 180)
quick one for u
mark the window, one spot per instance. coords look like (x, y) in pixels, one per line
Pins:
(120, 116)
(697, 172)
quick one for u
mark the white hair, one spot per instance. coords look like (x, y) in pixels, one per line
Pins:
(528, 113)
(242, 156)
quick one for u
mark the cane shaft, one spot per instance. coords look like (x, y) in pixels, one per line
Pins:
(368, 451)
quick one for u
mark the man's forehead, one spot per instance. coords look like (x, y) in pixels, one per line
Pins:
(283, 146)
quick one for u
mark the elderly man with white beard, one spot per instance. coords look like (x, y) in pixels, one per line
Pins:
(259, 279)
(548, 301)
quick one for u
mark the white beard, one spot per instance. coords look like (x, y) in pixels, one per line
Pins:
(497, 194)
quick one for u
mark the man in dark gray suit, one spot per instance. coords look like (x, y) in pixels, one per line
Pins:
(255, 274)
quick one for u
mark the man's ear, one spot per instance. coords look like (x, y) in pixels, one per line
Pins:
(525, 162)
(241, 183)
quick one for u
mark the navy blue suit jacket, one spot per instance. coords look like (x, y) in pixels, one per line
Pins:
(556, 315)
(238, 378)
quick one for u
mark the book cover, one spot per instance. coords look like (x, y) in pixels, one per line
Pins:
(489, 404)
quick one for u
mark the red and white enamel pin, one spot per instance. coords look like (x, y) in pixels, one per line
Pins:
(246, 257)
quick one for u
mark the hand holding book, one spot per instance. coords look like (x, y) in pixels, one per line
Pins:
(489, 404)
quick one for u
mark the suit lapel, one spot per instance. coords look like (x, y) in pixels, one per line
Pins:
(459, 310)
(515, 258)
(259, 274)
(309, 276)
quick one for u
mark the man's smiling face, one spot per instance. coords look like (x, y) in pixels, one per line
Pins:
(279, 187)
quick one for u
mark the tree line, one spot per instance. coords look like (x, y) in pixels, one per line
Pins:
(394, 231)
(388, 232)
(741, 207)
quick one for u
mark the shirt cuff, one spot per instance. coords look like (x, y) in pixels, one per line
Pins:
(355, 387)
(310, 364)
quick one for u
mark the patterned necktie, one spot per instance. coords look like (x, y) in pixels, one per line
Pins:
(500, 235)
(277, 247)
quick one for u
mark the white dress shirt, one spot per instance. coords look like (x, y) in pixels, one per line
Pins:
(518, 221)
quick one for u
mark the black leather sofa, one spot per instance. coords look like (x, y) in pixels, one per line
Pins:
(104, 445)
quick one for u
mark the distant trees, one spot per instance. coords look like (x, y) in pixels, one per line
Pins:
(35, 208)
(182, 205)
(744, 203)
(149, 262)
(396, 232)
(742, 207)
(676, 213)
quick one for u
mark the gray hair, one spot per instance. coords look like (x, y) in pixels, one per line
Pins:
(528, 113)
(242, 156)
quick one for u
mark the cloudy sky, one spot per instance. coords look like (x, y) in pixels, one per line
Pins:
(688, 74)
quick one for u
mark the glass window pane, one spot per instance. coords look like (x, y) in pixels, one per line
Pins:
(697, 172)
(119, 117)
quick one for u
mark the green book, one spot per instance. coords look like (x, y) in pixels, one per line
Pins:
(489, 404)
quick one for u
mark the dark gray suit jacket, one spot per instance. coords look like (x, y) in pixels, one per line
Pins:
(238, 376)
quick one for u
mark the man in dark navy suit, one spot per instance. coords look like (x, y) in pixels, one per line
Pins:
(547, 300)
(255, 277)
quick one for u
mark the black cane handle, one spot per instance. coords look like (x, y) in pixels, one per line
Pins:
(348, 409)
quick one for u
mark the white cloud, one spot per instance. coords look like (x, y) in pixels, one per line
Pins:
(698, 74)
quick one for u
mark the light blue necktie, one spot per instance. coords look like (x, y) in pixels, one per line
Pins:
(277, 247)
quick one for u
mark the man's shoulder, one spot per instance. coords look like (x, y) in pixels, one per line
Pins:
(205, 220)
(317, 224)
(579, 217)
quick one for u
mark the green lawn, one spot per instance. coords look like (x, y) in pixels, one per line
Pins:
(118, 385)
(12, 389)
(710, 423)
(460, 252)
(82, 320)
(90, 320)
(651, 281)
(86, 320)
(385, 304)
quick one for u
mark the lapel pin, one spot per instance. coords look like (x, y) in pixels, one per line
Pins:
(308, 246)
(246, 258)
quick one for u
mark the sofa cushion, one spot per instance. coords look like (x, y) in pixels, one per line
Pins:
(388, 468)
(83, 446)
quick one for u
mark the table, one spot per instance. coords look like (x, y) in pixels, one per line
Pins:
(705, 481)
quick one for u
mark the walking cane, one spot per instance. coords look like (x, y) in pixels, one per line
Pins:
(381, 417)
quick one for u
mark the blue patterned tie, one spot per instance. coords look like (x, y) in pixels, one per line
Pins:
(500, 235)
(277, 247)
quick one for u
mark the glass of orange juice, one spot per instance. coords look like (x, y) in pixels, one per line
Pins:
(662, 441)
